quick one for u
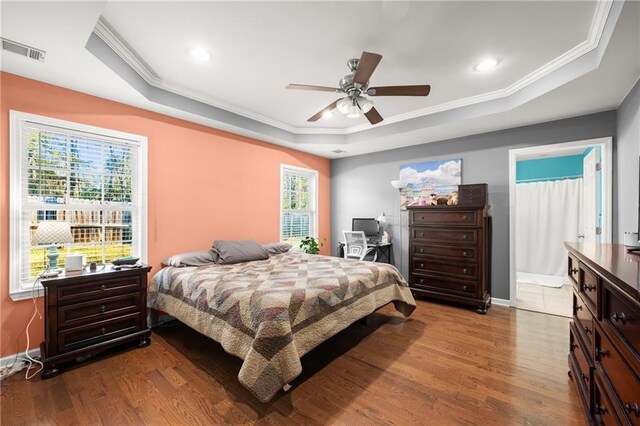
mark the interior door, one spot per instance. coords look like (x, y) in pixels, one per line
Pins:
(590, 196)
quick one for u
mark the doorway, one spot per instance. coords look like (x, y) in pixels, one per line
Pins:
(557, 193)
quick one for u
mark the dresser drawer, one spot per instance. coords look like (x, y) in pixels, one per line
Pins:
(583, 321)
(444, 217)
(625, 384)
(97, 289)
(82, 336)
(444, 285)
(603, 411)
(576, 347)
(572, 270)
(588, 287)
(99, 309)
(462, 271)
(446, 252)
(619, 314)
(449, 236)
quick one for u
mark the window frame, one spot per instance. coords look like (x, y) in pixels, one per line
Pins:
(314, 222)
(19, 290)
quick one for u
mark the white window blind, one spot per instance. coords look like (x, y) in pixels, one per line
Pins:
(95, 179)
(299, 188)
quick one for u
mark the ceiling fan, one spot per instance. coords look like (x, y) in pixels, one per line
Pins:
(356, 86)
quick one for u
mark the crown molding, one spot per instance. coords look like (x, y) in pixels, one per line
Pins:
(603, 8)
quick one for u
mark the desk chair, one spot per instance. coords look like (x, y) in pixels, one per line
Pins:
(355, 246)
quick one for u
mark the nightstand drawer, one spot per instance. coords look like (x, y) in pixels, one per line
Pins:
(79, 337)
(97, 289)
(97, 310)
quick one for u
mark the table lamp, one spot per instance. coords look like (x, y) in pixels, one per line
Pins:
(53, 233)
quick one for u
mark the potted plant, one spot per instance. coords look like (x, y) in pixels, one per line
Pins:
(311, 245)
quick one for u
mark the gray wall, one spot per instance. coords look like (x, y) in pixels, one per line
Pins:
(628, 146)
(360, 185)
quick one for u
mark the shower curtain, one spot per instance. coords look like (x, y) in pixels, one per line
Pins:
(547, 215)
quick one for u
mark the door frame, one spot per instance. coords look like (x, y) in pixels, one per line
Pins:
(606, 161)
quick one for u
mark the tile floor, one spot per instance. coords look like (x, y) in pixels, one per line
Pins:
(549, 300)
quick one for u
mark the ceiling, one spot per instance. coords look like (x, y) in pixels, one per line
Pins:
(551, 57)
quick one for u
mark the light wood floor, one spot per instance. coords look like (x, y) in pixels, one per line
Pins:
(444, 365)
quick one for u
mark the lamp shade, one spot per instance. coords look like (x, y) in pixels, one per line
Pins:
(399, 184)
(53, 232)
(382, 220)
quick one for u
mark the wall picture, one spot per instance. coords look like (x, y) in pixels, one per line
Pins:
(429, 183)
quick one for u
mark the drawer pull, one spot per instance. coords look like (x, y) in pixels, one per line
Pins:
(103, 287)
(601, 353)
(465, 237)
(464, 287)
(465, 217)
(103, 330)
(465, 270)
(577, 308)
(585, 377)
(573, 346)
(421, 250)
(422, 234)
(422, 265)
(632, 408)
(588, 330)
(573, 270)
(601, 409)
(103, 308)
(421, 280)
(619, 317)
(588, 287)
(465, 254)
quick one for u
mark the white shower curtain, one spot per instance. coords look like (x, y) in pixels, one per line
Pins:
(547, 215)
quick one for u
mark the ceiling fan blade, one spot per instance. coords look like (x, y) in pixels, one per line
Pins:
(320, 113)
(367, 65)
(373, 116)
(400, 91)
(311, 87)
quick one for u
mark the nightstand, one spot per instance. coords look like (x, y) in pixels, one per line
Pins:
(88, 312)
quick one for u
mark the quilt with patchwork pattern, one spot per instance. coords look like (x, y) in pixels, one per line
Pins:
(271, 312)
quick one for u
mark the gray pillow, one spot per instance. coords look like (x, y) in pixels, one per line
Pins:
(192, 258)
(231, 251)
(276, 248)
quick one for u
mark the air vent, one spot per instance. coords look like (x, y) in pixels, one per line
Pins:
(339, 151)
(24, 50)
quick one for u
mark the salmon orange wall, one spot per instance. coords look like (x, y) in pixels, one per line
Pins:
(204, 184)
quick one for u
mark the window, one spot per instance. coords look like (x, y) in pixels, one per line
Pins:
(298, 204)
(93, 178)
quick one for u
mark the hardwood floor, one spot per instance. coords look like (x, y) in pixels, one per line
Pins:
(438, 367)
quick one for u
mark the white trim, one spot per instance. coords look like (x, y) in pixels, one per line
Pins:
(500, 302)
(10, 359)
(315, 173)
(17, 289)
(607, 190)
(596, 30)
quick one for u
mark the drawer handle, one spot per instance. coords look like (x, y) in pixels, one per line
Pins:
(421, 280)
(588, 330)
(601, 353)
(465, 270)
(465, 217)
(573, 270)
(588, 287)
(576, 308)
(465, 237)
(585, 377)
(103, 308)
(422, 234)
(421, 250)
(619, 317)
(465, 254)
(632, 408)
(600, 409)
(422, 265)
(103, 330)
(103, 287)
(573, 346)
(464, 287)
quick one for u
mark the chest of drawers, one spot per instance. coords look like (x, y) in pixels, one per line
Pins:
(90, 312)
(449, 253)
(604, 351)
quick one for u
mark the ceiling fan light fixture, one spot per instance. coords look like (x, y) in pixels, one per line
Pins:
(486, 64)
(344, 105)
(200, 55)
(354, 110)
(327, 114)
(365, 104)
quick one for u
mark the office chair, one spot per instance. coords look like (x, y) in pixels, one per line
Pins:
(355, 246)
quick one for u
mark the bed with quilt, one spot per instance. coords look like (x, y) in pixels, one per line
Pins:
(272, 312)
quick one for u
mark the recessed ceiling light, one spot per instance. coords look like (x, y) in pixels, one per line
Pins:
(486, 64)
(327, 114)
(199, 54)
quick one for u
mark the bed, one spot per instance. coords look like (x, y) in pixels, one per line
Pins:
(272, 312)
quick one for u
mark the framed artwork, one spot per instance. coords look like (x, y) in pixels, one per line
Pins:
(429, 183)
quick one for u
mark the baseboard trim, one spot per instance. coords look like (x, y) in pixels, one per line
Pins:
(9, 360)
(501, 302)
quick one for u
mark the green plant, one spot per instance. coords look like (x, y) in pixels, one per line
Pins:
(311, 245)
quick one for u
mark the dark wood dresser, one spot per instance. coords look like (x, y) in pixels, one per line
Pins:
(604, 352)
(449, 253)
(88, 312)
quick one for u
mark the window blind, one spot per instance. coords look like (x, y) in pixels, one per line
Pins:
(298, 208)
(88, 180)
